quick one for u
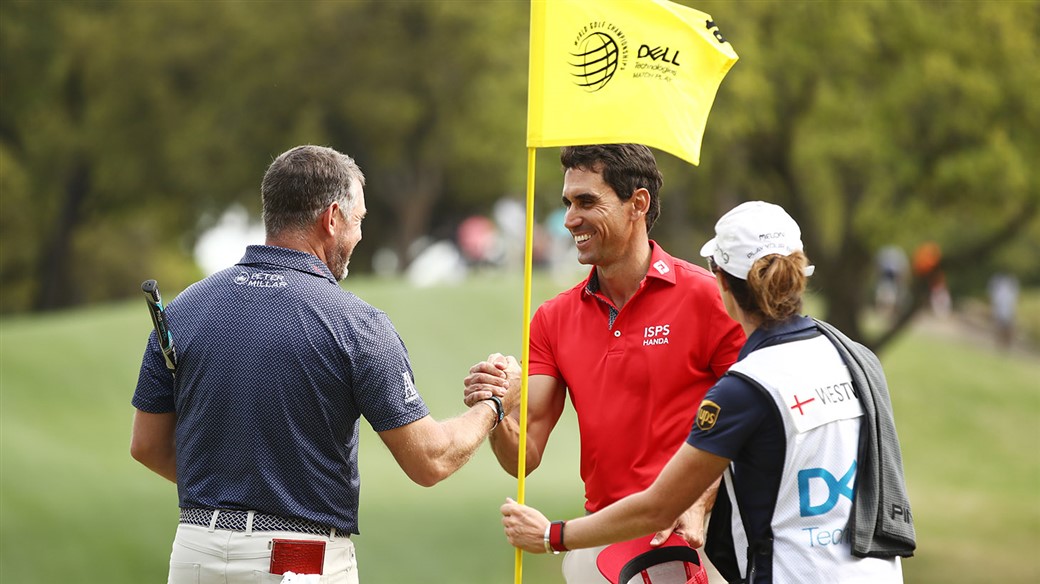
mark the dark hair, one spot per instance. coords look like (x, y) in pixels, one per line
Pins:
(302, 182)
(773, 289)
(625, 168)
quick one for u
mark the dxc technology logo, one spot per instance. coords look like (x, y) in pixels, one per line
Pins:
(835, 487)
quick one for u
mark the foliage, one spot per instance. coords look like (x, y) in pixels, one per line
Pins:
(880, 123)
(126, 128)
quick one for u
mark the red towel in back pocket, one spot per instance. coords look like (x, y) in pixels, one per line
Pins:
(300, 556)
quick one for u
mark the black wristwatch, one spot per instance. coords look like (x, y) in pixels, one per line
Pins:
(498, 407)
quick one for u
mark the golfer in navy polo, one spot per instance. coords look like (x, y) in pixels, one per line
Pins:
(258, 425)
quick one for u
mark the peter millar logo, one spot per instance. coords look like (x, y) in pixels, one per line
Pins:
(600, 51)
(261, 280)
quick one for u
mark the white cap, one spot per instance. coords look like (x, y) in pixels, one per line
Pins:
(751, 231)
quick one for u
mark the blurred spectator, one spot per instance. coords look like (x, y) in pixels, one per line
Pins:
(893, 268)
(1003, 296)
(479, 242)
(510, 217)
(437, 263)
(926, 263)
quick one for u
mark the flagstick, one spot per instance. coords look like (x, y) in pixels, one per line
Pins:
(521, 471)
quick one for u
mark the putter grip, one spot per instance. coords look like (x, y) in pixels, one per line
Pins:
(162, 330)
(151, 290)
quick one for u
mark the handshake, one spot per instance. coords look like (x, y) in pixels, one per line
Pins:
(496, 378)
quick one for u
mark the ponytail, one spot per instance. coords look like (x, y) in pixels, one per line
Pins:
(774, 287)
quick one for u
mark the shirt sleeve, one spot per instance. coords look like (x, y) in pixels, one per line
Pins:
(154, 393)
(382, 378)
(541, 357)
(731, 339)
(731, 414)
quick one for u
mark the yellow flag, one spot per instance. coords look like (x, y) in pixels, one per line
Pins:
(611, 71)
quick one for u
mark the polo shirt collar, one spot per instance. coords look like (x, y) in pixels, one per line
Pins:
(790, 329)
(287, 258)
(662, 267)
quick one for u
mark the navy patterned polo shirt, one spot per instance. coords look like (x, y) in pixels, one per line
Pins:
(276, 365)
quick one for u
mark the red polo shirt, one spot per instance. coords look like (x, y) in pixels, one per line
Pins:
(636, 382)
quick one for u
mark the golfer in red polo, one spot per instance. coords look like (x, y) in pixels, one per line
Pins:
(636, 345)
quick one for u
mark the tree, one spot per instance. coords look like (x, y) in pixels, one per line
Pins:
(100, 123)
(432, 96)
(877, 123)
(127, 128)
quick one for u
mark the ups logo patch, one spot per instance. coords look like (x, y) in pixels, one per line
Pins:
(707, 415)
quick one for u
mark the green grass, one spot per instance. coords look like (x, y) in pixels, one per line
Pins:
(74, 507)
(969, 422)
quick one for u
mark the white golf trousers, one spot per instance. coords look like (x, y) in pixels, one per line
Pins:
(201, 556)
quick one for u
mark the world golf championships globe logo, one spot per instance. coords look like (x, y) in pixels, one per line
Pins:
(595, 62)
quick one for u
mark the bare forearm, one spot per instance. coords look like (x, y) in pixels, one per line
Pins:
(505, 441)
(166, 468)
(707, 500)
(464, 434)
(162, 461)
(689, 481)
(152, 443)
(631, 517)
(680, 485)
(433, 453)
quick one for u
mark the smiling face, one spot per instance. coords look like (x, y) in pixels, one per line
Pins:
(604, 227)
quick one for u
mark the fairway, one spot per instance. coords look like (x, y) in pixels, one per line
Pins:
(75, 508)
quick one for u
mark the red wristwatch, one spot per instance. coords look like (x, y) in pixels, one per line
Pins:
(556, 536)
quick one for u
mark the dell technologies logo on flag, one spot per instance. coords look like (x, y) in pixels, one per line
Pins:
(601, 51)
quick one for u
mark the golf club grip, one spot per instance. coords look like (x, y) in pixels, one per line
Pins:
(151, 290)
(162, 330)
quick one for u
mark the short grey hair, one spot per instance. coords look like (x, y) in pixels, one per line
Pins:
(302, 182)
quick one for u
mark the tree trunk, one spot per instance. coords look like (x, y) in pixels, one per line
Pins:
(845, 287)
(55, 260)
(416, 191)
